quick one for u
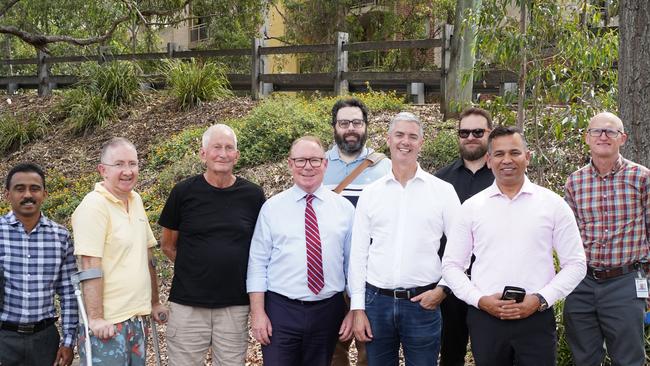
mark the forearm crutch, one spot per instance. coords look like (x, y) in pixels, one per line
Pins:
(154, 336)
(77, 278)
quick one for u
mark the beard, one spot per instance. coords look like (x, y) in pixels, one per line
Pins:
(472, 155)
(351, 147)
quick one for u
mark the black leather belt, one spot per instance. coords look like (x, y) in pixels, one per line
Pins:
(402, 293)
(306, 302)
(600, 274)
(27, 328)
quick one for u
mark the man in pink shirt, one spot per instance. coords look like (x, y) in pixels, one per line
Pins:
(513, 227)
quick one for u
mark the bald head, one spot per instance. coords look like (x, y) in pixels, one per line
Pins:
(606, 118)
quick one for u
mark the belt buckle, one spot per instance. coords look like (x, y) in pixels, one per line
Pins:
(398, 291)
(594, 273)
(26, 328)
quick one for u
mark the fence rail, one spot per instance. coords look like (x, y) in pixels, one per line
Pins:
(340, 80)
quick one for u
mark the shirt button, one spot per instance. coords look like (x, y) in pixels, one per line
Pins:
(606, 230)
(29, 256)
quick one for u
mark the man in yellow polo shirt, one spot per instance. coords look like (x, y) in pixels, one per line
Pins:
(112, 233)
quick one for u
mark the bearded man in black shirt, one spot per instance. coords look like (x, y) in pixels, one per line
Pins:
(469, 175)
(208, 222)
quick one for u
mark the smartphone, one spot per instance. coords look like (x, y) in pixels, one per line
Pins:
(513, 293)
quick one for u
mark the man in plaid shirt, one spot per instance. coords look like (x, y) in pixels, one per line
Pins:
(36, 260)
(611, 200)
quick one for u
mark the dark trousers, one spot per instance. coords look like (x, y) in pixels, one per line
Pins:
(35, 349)
(524, 342)
(454, 331)
(606, 312)
(304, 334)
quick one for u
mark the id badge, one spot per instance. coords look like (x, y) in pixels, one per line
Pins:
(641, 286)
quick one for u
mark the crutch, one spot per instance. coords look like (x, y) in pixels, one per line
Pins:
(154, 336)
(77, 278)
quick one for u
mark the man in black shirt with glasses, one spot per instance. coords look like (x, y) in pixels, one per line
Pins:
(469, 175)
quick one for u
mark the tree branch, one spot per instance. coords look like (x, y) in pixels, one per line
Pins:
(8, 6)
(40, 41)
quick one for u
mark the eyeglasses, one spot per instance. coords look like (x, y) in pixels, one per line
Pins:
(121, 165)
(302, 162)
(345, 123)
(597, 132)
(477, 133)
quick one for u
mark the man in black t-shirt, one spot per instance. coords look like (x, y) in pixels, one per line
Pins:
(469, 175)
(208, 222)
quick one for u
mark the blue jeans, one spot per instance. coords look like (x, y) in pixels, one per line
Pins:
(395, 321)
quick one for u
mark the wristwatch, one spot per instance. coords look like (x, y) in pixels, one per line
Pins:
(445, 289)
(543, 304)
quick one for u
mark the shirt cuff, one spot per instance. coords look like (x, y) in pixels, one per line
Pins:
(358, 302)
(68, 340)
(256, 285)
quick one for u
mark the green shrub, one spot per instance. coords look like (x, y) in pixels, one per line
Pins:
(193, 82)
(175, 148)
(15, 132)
(66, 194)
(440, 151)
(267, 132)
(116, 82)
(85, 110)
(374, 100)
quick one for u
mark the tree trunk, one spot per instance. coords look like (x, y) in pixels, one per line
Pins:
(460, 77)
(634, 78)
(521, 110)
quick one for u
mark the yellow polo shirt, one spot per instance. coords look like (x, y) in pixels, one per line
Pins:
(103, 228)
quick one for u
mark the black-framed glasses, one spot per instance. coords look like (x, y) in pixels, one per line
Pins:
(302, 162)
(345, 123)
(477, 133)
(597, 132)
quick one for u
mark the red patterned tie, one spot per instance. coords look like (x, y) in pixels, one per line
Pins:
(315, 280)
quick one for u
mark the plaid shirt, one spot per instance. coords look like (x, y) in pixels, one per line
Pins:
(36, 265)
(613, 212)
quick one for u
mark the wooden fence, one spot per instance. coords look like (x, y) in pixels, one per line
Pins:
(340, 81)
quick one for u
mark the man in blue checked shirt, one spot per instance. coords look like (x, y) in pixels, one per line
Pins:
(36, 260)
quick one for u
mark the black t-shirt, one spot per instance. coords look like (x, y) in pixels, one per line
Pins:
(215, 227)
(465, 183)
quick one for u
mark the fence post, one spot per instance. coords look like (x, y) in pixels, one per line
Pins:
(101, 55)
(445, 57)
(171, 48)
(42, 74)
(341, 86)
(256, 69)
(12, 88)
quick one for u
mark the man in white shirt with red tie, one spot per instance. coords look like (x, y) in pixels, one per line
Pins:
(296, 268)
(394, 264)
(513, 227)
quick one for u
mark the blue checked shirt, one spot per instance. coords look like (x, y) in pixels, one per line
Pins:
(36, 266)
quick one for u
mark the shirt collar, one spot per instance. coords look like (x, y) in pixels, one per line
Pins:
(13, 220)
(335, 154)
(419, 174)
(99, 188)
(298, 193)
(618, 166)
(528, 188)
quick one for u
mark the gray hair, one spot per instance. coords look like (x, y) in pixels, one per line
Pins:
(219, 127)
(408, 117)
(112, 143)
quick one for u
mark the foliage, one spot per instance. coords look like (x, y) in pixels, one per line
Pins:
(439, 151)
(16, 132)
(374, 100)
(116, 82)
(85, 109)
(194, 82)
(65, 195)
(391, 19)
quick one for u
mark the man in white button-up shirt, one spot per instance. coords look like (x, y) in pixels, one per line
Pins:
(513, 227)
(394, 263)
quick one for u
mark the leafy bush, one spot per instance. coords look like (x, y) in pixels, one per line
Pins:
(116, 82)
(14, 132)
(65, 195)
(374, 100)
(440, 151)
(267, 132)
(175, 148)
(193, 83)
(85, 109)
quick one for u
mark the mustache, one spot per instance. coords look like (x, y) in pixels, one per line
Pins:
(27, 200)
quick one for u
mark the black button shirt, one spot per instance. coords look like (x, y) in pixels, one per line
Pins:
(464, 181)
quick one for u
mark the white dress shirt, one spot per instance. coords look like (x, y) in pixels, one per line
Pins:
(396, 233)
(278, 254)
(513, 241)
